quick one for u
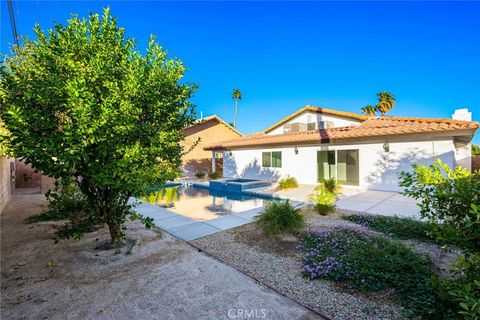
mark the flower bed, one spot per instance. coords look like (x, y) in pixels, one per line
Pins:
(363, 262)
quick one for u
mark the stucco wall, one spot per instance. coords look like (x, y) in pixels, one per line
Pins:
(309, 116)
(5, 182)
(378, 169)
(209, 132)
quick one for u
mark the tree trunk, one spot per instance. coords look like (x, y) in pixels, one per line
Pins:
(116, 233)
(235, 116)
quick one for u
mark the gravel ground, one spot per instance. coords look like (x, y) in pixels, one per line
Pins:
(157, 276)
(276, 263)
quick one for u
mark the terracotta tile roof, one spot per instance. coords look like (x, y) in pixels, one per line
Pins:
(371, 127)
(332, 112)
(216, 118)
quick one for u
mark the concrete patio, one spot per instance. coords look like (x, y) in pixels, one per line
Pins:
(189, 229)
(369, 201)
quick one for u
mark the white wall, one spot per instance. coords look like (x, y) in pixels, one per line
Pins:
(309, 116)
(378, 169)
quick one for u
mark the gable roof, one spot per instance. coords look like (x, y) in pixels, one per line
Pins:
(216, 118)
(371, 127)
(332, 112)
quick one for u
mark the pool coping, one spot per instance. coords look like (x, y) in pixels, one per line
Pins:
(189, 229)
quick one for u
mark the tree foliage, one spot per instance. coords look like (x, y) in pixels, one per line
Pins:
(369, 110)
(83, 105)
(385, 103)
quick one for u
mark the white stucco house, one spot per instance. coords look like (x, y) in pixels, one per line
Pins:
(363, 152)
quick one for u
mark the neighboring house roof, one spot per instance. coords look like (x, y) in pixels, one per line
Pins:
(218, 119)
(332, 112)
(370, 127)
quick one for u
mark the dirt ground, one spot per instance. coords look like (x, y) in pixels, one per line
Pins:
(156, 277)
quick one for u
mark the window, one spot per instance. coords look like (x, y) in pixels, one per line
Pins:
(294, 127)
(311, 126)
(272, 159)
(341, 165)
(326, 124)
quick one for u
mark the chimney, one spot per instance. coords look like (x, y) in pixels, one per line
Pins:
(462, 114)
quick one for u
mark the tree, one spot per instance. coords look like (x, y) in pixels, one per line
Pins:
(369, 110)
(83, 105)
(385, 103)
(236, 95)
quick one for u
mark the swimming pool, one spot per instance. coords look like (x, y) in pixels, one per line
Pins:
(203, 204)
(237, 185)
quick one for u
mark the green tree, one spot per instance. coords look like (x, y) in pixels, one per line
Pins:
(385, 103)
(475, 150)
(236, 95)
(83, 105)
(369, 110)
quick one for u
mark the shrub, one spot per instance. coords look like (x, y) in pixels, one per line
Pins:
(200, 175)
(287, 183)
(402, 228)
(64, 205)
(215, 175)
(280, 217)
(324, 200)
(332, 186)
(446, 201)
(367, 263)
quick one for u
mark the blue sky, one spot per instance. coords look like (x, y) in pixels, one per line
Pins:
(284, 55)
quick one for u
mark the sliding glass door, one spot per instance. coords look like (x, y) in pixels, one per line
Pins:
(342, 165)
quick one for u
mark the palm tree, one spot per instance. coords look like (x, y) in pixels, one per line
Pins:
(236, 95)
(369, 110)
(386, 101)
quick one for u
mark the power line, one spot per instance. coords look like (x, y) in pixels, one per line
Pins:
(12, 21)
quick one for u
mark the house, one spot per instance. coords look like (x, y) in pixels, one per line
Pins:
(205, 131)
(363, 152)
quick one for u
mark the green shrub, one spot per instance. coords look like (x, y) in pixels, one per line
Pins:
(451, 201)
(280, 217)
(460, 295)
(215, 175)
(332, 186)
(64, 205)
(401, 228)
(287, 183)
(200, 175)
(475, 150)
(367, 263)
(324, 200)
(446, 201)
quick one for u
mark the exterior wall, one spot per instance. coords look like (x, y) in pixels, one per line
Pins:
(26, 177)
(309, 116)
(5, 182)
(209, 132)
(378, 169)
(463, 155)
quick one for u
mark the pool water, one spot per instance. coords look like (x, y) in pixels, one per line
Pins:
(202, 204)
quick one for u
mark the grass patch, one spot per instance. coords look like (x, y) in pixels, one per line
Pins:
(400, 228)
(367, 263)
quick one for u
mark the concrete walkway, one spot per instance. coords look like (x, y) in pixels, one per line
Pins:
(189, 229)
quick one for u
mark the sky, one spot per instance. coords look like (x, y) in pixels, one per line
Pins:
(285, 55)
